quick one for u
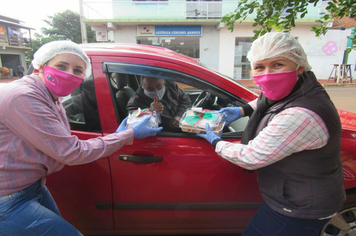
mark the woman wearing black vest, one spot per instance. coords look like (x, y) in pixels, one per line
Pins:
(292, 139)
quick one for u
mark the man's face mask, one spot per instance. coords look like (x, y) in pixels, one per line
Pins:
(160, 93)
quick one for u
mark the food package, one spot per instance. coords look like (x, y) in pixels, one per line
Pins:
(194, 120)
(138, 115)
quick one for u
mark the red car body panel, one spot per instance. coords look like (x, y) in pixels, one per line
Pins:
(190, 191)
(76, 188)
(348, 145)
(181, 178)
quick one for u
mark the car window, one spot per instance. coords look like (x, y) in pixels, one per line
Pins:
(197, 96)
(125, 79)
(82, 109)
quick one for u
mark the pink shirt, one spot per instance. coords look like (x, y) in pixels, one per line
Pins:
(35, 137)
(292, 130)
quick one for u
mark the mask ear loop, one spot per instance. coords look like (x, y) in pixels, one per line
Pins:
(301, 67)
(40, 69)
(296, 69)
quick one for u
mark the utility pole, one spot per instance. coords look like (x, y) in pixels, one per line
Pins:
(83, 27)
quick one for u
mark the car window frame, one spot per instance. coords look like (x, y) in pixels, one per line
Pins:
(172, 75)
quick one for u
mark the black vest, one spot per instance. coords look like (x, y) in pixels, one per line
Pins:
(307, 184)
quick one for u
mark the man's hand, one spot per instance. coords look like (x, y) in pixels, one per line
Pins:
(174, 123)
(156, 105)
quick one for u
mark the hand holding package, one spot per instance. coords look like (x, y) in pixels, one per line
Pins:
(194, 120)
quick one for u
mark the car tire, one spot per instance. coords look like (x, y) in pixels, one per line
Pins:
(344, 223)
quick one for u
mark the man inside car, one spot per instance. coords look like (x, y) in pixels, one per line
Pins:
(163, 96)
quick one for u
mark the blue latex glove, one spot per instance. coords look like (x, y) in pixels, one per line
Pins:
(142, 131)
(210, 135)
(122, 126)
(232, 114)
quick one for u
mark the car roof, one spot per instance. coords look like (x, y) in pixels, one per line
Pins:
(148, 52)
(114, 48)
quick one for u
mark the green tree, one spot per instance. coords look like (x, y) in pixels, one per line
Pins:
(61, 26)
(67, 25)
(268, 14)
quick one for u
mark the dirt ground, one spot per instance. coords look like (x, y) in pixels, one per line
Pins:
(344, 97)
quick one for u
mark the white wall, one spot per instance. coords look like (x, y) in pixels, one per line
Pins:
(319, 57)
(324, 51)
(209, 49)
(227, 53)
(227, 47)
(125, 34)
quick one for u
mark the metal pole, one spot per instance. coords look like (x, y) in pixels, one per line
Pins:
(83, 28)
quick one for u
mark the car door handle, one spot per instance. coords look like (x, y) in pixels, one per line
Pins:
(140, 159)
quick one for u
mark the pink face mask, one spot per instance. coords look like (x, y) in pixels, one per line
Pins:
(59, 82)
(276, 86)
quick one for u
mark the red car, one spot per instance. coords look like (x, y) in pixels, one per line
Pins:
(173, 183)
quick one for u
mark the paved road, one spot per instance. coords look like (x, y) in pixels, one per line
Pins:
(344, 97)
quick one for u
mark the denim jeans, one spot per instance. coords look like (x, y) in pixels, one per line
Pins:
(32, 212)
(267, 222)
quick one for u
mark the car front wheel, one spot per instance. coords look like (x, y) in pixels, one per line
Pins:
(344, 223)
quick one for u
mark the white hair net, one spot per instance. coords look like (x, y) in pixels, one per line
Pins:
(277, 44)
(51, 49)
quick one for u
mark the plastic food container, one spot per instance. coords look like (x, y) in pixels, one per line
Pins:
(194, 120)
(138, 115)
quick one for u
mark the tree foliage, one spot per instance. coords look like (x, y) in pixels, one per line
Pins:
(61, 26)
(281, 15)
(67, 26)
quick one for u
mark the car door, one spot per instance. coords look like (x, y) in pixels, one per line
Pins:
(175, 182)
(83, 193)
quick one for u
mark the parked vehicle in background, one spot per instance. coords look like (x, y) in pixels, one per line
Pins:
(173, 183)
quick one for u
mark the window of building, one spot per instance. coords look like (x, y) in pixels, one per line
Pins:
(242, 66)
(182, 44)
(204, 9)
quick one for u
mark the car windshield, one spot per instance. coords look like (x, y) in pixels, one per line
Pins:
(228, 77)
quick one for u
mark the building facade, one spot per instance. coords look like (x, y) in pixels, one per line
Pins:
(194, 28)
(15, 40)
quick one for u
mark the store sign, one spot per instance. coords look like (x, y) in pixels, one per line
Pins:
(146, 30)
(101, 36)
(173, 30)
